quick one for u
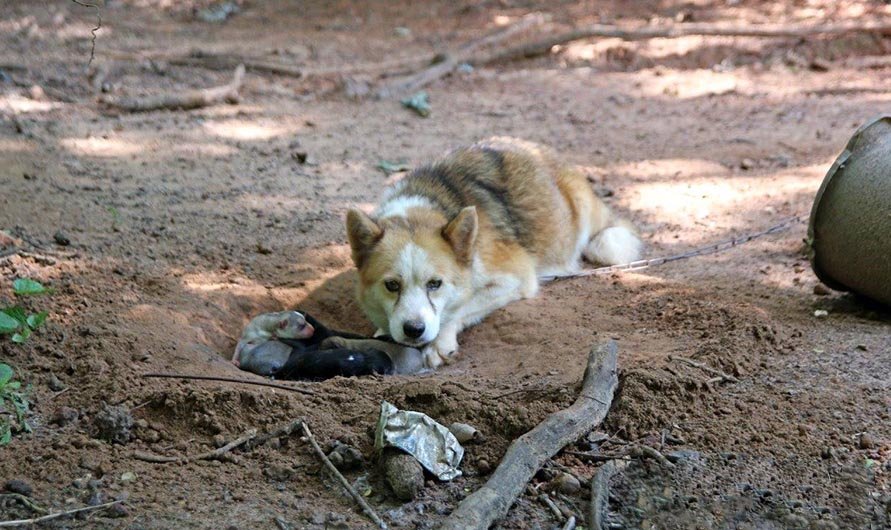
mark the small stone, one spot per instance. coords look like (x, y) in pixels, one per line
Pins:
(117, 511)
(318, 518)
(61, 238)
(403, 473)
(64, 415)
(18, 486)
(300, 156)
(826, 453)
(483, 466)
(128, 476)
(36, 92)
(821, 313)
(345, 457)
(822, 290)
(263, 249)
(113, 424)
(54, 383)
(566, 483)
(465, 433)
(866, 441)
(747, 163)
(597, 437)
(142, 423)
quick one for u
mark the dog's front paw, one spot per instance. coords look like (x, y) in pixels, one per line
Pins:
(440, 352)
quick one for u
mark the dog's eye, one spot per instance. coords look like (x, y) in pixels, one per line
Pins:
(392, 285)
(433, 285)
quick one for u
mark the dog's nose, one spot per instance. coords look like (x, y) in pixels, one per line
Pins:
(413, 328)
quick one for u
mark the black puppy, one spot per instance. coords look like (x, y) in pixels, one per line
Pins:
(294, 345)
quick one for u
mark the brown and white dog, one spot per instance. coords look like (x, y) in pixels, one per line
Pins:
(471, 232)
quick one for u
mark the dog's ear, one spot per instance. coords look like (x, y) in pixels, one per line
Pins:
(363, 233)
(461, 233)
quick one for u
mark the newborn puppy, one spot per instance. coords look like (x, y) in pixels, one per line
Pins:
(292, 345)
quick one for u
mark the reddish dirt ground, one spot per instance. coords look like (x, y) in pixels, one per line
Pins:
(183, 225)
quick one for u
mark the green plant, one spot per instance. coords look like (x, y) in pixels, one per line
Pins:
(13, 406)
(14, 320)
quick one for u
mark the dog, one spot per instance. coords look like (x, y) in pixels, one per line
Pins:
(471, 232)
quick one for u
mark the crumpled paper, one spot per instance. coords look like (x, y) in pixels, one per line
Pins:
(419, 435)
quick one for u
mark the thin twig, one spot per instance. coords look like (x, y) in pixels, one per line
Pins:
(436, 71)
(24, 500)
(94, 30)
(49, 517)
(369, 511)
(191, 99)
(570, 523)
(706, 368)
(544, 46)
(649, 452)
(231, 380)
(546, 499)
(215, 454)
(598, 457)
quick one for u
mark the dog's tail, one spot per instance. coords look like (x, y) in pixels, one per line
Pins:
(617, 243)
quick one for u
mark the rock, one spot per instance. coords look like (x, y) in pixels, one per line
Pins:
(866, 441)
(403, 473)
(566, 483)
(345, 457)
(18, 486)
(747, 163)
(128, 476)
(117, 511)
(54, 383)
(597, 437)
(61, 238)
(822, 290)
(465, 433)
(64, 415)
(113, 424)
(676, 456)
(483, 466)
(821, 313)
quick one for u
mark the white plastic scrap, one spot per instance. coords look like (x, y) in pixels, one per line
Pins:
(417, 434)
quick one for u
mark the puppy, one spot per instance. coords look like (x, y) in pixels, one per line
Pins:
(471, 232)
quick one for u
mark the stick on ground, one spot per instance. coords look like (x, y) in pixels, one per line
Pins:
(544, 46)
(49, 517)
(24, 500)
(441, 69)
(600, 494)
(528, 453)
(231, 380)
(369, 511)
(191, 99)
(209, 455)
(705, 368)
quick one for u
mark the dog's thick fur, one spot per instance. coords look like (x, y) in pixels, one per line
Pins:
(471, 232)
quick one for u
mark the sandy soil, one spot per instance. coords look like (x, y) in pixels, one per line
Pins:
(183, 225)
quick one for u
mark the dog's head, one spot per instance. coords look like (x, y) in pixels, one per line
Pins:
(413, 270)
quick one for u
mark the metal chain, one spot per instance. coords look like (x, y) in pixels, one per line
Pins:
(701, 251)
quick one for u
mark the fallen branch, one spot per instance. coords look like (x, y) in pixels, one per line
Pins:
(369, 511)
(215, 454)
(706, 368)
(49, 517)
(528, 453)
(570, 524)
(191, 99)
(24, 500)
(544, 46)
(600, 494)
(465, 54)
(190, 377)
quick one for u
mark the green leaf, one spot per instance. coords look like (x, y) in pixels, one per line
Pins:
(5, 433)
(26, 286)
(37, 320)
(393, 167)
(8, 324)
(6, 373)
(17, 313)
(22, 335)
(12, 385)
(419, 103)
